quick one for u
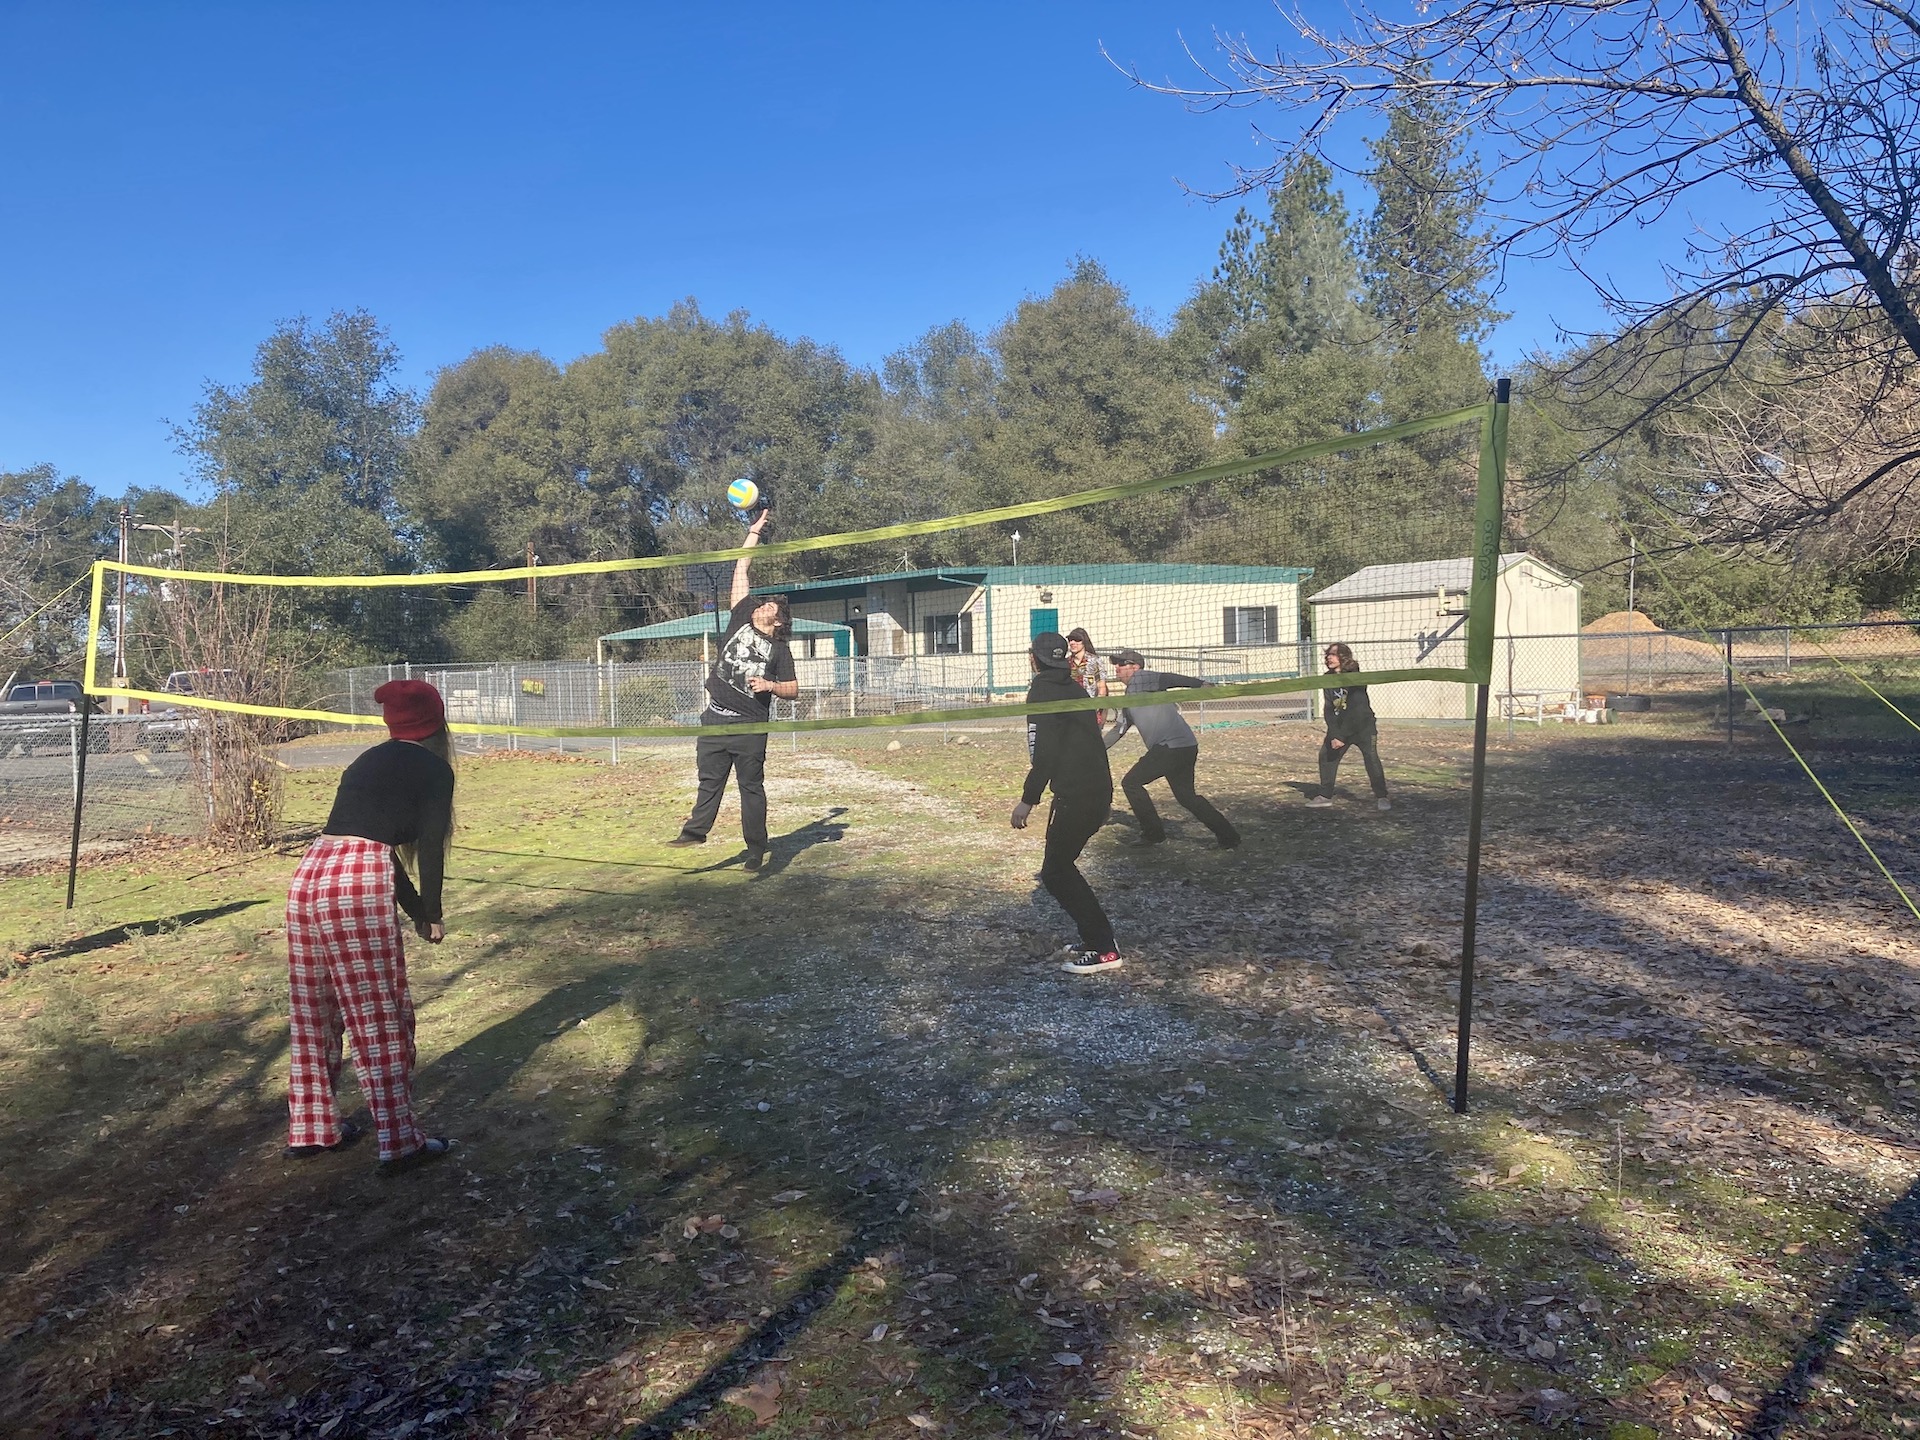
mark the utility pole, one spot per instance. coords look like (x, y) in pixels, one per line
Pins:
(175, 532)
(129, 522)
(533, 585)
(120, 616)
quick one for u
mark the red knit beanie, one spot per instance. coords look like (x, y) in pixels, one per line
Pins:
(412, 708)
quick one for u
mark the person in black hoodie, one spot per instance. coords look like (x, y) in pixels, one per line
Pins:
(1350, 726)
(1068, 755)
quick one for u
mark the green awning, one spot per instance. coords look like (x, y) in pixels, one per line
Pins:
(692, 627)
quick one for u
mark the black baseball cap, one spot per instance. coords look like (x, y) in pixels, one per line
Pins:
(1050, 649)
(1128, 657)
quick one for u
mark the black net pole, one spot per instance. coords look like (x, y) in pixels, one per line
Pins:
(1487, 563)
(79, 798)
(1464, 1033)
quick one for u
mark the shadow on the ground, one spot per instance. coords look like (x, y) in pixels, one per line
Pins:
(1879, 1285)
(783, 850)
(120, 934)
(521, 1263)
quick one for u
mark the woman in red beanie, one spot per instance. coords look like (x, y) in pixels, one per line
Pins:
(345, 963)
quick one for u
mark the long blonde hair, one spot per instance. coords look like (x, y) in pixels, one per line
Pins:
(439, 743)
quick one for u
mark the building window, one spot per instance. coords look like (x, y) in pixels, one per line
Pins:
(1251, 625)
(948, 634)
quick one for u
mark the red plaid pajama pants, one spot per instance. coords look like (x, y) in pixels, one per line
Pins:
(346, 969)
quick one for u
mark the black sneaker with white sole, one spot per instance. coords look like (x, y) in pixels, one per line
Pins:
(1088, 962)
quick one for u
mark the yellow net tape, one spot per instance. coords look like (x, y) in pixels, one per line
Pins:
(1474, 672)
(1225, 470)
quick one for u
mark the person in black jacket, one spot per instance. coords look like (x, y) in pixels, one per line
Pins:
(1067, 755)
(1350, 726)
(346, 967)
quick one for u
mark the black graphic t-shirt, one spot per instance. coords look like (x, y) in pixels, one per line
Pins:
(1349, 713)
(744, 654)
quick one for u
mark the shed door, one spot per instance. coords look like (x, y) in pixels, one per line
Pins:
(1041, 621)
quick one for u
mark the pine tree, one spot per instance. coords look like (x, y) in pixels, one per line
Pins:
(1286, 287)
(1426, 260)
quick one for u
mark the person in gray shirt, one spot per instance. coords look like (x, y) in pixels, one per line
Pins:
(1172, 751)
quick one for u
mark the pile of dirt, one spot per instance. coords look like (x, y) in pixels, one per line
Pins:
(1612, 640)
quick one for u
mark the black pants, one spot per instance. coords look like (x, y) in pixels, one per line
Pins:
(1368, 744)
(1174, 764)
(1071, 824)
(745, 756)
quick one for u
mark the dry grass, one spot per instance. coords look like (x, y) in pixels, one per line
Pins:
(834, 1149)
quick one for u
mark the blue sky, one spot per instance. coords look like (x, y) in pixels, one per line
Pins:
(181, 178)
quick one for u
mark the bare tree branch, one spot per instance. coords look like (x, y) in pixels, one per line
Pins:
(1594, 115)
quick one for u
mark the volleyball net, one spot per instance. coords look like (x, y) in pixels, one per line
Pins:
(1238, 574)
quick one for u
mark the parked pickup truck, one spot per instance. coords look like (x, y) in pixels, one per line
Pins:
(43, 697)
(38, 713)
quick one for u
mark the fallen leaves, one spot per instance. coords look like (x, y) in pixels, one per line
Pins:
(761, 1395)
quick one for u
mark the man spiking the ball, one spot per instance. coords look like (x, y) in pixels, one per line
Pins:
(754, 668)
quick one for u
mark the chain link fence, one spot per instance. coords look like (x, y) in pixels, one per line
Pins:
(1648, 684)
(140, 782)
(581, 694)
(1694, 684)
(1660, 687)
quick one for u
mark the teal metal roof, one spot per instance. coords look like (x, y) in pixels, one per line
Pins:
(1118, 573)
(694, 626)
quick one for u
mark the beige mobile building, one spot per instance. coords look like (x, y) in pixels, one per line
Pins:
(1412, 615)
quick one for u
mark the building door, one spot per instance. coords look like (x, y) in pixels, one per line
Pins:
(1041, 621)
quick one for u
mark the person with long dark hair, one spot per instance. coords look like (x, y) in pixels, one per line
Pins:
(346, 965)
(1067, 756)
(1350, 726)
(1085, 667)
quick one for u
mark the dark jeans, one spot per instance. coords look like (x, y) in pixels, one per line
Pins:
(1174, 764)
(746, 757)
(1368, 744)
(1070, 825)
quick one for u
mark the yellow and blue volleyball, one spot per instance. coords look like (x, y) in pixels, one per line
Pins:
(742, 493)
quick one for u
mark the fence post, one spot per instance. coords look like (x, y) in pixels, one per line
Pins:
(1727, 637)
(79, 795)
(613, 708)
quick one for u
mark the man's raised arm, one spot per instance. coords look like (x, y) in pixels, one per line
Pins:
(742, 583)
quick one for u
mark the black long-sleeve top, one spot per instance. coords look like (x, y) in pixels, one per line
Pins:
(1349, 713)
(400, 793)
(1066, 750)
